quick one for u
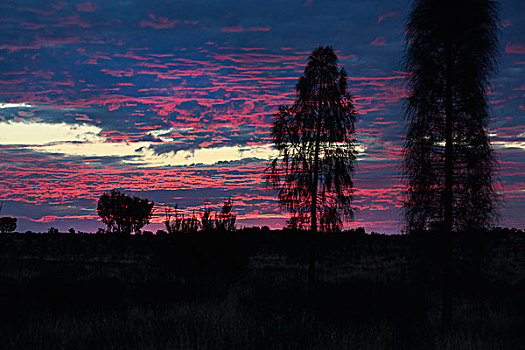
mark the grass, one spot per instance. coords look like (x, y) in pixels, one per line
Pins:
(248, 291)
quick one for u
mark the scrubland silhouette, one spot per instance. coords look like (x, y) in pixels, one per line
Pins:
(246, 289)
(207, 221)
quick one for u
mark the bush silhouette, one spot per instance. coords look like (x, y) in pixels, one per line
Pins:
(7, 224)
(122, 213)
(225, 220)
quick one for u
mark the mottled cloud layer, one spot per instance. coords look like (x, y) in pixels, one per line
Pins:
(173, 102)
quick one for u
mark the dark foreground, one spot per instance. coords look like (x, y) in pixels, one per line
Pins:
(247, 290)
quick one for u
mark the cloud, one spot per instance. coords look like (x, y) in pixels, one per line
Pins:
(29, 133)
(385, 16)
(379, 41)
(515, 49)
(86, 7)
(15, 105)
(239, 29)
(82, 140)
(232, 29)
(159, 22)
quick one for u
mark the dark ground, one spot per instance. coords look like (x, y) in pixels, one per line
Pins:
(247, 290)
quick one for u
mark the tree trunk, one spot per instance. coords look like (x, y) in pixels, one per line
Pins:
(313, 211)
(448, 196)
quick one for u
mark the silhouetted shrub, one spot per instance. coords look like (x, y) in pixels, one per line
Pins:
(359, 231)
(191, 224)
(172, 226)
(122, 213)
(225, 220)
(161, 233)
(207, 220)
(7, 224)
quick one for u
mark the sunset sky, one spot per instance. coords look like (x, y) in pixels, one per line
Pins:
(172, 101)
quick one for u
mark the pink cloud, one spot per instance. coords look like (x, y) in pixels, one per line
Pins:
(159, 22)
(233, 29)
(85, 7)
(239, 29)
(17, 47)
(59, 41)
(506, 23)
(379, 41)
(517, 48)
(260, 29)
(383, 17)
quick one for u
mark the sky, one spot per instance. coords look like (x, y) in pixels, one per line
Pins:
(173, 100)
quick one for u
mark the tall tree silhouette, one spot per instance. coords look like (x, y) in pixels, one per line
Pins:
(313, 170)
(451, 52)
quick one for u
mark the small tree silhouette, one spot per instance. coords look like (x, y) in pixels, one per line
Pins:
(122, 213)
(7, 224)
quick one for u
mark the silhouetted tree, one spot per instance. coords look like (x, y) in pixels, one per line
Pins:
(7, 224)
(451, 51)
(122, 213)
(313, 171)
(225, 220)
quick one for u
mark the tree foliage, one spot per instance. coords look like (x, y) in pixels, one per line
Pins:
(7, 224)
(122, 213)
(312, 173)
(451, 52)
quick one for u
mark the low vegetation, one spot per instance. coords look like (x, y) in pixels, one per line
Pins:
(247, 289)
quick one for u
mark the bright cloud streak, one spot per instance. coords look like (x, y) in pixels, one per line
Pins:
(15, 105)
(31, 133)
